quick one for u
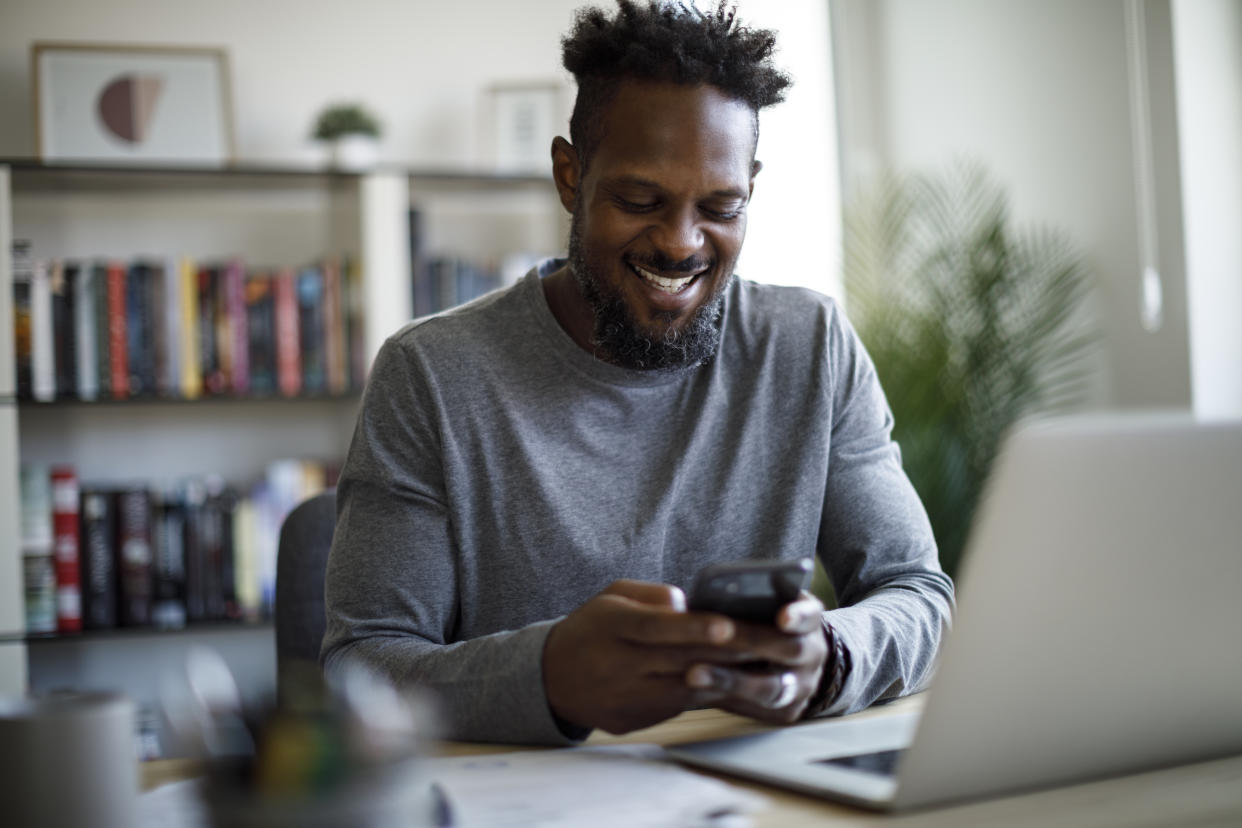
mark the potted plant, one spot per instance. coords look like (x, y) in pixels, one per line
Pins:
(352, 134)
(972, 324)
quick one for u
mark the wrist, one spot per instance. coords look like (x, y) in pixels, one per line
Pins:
(837, 665)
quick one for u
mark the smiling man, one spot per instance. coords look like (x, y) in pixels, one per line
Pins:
(537, 476)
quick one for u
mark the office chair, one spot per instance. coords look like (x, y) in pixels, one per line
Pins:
(301, 560)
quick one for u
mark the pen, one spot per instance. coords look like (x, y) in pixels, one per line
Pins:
(442, 809)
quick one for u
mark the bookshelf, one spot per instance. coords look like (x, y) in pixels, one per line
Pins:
(263, 214)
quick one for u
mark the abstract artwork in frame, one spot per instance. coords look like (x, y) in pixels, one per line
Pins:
(140, 105)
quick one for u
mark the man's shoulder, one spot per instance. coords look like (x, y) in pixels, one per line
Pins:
(782, 310)
(474, 324)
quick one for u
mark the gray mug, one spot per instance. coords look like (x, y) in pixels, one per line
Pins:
(68, 760)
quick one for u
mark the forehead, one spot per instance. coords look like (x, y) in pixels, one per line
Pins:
(670, 131)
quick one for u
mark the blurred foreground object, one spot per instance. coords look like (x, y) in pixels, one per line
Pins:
(68, 760)
(971, 325)
(344, 753)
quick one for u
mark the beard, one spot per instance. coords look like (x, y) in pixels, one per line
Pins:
(619, 336)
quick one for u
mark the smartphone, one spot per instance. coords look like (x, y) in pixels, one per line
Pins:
(751, 590)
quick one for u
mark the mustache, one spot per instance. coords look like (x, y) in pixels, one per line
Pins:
(659, 262)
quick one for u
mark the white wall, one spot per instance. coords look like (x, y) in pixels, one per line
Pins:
(425, 67)
(1208, 40)
(1039, 93)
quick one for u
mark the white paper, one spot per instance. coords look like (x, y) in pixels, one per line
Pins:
(626, 786)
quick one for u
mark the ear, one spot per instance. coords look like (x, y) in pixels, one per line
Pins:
(566, 172)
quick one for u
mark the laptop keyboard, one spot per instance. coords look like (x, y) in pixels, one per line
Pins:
(881, 763)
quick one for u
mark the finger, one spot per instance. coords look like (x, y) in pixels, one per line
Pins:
(646, 592)
(765, 643)
(772, 690)
(641, 623)
(675, 660)
(801, 616)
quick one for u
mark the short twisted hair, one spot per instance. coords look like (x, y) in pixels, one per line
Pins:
(670, 42)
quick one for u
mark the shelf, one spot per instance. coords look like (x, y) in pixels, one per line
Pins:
(214, 399)
(129, 633)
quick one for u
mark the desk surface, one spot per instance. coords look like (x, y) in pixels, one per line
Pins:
(1204, 794)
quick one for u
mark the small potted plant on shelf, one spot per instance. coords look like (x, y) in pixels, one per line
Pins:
(352, 133)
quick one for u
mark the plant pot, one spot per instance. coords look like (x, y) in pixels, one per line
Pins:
(355, 152)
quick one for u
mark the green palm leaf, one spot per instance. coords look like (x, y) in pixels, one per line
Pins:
(971, 325)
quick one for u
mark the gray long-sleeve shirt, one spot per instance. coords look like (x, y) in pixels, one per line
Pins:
(500, 476)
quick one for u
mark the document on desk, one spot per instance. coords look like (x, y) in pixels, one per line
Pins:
(621, 785)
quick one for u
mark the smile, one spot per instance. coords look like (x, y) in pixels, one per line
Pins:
(670, 286)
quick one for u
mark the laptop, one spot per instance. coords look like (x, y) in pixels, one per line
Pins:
(1098, 632)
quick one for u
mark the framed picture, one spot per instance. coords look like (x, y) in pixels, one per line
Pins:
(132, 104)
(523, 120)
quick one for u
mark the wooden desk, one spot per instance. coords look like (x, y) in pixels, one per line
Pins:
(1209, 793)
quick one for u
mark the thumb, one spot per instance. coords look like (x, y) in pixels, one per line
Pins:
(646, 592)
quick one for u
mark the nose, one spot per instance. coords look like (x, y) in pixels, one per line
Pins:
(677, 234)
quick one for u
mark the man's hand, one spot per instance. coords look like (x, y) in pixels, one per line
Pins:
(619, 661)
(782, 669)
(632, 657)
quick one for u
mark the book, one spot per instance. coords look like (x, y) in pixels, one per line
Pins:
(157, 317)
(38, 566)
(170, 327)
(103, 337)
(139, 327)
(168, 608)
(98, 533)
(85, 336)
(23, 273)
(261, 332)
(193, 500)
(335, 361)
(188, 327)
(42, 343)
(288, 337)
(64, 327)
(133, 557)
(211, 354)
(118, 345)
(66, 546)
(311, 329)
(235, 326)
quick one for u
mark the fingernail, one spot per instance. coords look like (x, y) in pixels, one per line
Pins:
(700, 677)
(720, 630)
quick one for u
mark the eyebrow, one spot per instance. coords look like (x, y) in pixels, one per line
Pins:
(639, 181)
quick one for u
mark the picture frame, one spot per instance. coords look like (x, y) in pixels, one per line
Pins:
(132, 105)
(521, 121)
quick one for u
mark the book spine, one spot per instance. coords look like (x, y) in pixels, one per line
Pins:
(38, 565)
(63, 276)
(261, 333)
(134, 557)
(42, 345)
(22, 344)
(209, 342)
(118, 350)
(138, 320)
(66, 545)
(86, 338)
(157, 303)
(311, 329)
(288, 338)
(239, 350)
(98, 566)
(170, 276)
(103, 337)
(168, 609)
(191, 355)
(195, 555)
(334, 329)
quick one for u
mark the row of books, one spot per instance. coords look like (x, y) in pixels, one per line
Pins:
(107, 329)
(99, 557)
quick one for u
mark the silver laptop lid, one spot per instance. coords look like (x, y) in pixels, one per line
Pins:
(1099, 630)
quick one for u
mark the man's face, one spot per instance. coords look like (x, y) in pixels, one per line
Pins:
(658, 221)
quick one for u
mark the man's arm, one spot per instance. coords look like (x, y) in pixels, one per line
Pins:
(876, 543)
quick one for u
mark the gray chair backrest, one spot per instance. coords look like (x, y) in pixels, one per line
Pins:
(301, 560)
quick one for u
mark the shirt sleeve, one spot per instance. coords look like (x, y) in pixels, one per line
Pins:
(876, 542)
(390, 591)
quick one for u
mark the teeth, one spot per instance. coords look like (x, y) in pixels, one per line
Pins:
(666, 285)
